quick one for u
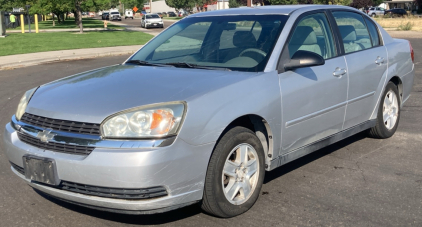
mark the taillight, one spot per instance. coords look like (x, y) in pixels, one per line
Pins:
(412, 53)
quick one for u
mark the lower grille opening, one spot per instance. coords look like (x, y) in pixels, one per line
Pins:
(115, 193)
(18, 168)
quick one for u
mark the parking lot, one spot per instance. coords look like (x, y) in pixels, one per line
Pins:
(356, 182)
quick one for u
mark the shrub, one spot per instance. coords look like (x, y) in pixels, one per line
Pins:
(405, 27)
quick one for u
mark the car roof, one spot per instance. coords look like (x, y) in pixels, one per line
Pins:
(260, 10)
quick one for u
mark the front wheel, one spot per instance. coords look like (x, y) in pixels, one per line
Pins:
(235, 174)
(388, 113)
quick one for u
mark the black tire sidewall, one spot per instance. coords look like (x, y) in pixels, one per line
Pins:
(234, 137)
(386, 133)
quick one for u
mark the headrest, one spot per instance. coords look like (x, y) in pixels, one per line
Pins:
(244, 39)
(304, 35)
(348, 33)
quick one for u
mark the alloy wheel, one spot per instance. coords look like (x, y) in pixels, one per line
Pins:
(390, 111)
(240, 174)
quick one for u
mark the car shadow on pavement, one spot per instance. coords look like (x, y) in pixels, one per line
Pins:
(280, 171)
(141, 219)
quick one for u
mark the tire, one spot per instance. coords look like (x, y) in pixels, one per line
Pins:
(227, 154)
(373, 15)
(384, 128)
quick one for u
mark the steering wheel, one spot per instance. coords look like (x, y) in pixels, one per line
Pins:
(253, 50)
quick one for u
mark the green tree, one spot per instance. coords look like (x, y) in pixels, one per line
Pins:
(234, 4)
(181, 4)
(7, 5)
(129, 4)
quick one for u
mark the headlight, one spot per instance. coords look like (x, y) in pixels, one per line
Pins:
(150, 121)
(24, 102)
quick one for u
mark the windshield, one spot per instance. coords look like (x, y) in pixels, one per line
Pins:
(115, 13)
(242, 43)
(152, 16)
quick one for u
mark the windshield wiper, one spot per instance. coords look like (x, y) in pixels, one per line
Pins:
(195, 66)
(139, 62)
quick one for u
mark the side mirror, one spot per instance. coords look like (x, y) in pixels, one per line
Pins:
(304, 58)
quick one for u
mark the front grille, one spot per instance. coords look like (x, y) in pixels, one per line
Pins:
(53, 146)
(61, 125)
(115, 193)
(18, 168)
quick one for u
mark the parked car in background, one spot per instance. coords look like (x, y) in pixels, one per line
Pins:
(143, 12)
(375, 11)
(160, 14)
(115, 16)
(202, 111)
(104, 16)
(164, 14)
(171, 14)
(395, 12)
(128, 14)
(151, 20)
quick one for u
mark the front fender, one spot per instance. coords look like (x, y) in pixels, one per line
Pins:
(210, 114)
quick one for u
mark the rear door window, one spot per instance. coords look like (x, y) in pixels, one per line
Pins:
(353, 30)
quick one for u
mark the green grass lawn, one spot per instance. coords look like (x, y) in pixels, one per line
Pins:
(19, 43)
(70, 23)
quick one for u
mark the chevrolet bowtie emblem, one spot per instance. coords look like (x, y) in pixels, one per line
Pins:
(46, 135)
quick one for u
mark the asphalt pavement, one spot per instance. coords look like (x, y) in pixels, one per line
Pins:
(356, 182)
(135, 25)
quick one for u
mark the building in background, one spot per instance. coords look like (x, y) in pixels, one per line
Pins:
(158, 7)
(408, 5)
(217, 5)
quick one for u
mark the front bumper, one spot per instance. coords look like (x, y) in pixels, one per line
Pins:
(154, 24)
(179, 167)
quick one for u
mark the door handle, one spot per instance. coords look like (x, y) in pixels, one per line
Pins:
(379, 60)
(339, 72)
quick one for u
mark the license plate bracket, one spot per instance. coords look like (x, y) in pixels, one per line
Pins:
(40, 169)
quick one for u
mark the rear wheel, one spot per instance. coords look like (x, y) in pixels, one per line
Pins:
(373, 15)
(388, 113)
(235, 174)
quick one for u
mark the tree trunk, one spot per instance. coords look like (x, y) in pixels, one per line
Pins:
(76, 16)
(59, 19)
(54, 23)
(79, 13)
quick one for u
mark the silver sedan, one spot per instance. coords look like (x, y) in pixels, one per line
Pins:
(202, 111)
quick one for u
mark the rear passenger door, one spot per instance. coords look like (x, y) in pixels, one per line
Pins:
(313, 98)
(366, 62)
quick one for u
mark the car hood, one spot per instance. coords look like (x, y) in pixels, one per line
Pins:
(94, 95)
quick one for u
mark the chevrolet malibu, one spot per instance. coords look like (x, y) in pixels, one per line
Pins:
(201, 112)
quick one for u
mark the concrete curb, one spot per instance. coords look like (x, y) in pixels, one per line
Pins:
(67, 30)
(24, 60)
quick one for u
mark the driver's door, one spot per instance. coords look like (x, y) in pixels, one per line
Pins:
(313, 98)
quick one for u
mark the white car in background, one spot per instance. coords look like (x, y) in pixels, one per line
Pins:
(128, 14)
(150, 20)
(375, 11)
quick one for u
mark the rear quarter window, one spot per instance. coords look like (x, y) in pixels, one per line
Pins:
(373, 32)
